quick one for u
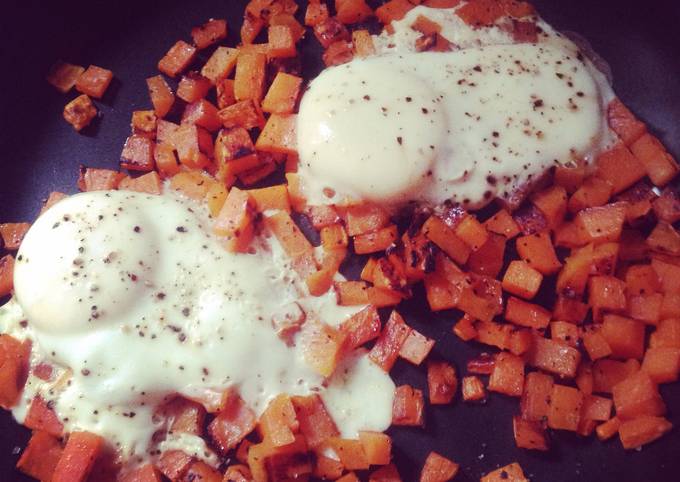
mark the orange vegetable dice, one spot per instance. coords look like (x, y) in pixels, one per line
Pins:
(510, 473)
(637, 395)
(322, 347)
(620, 168)
(137, 153)
(350, 452)
(662, 364)
(643, 430)
(282, 95)
(361, 327)
(526, 314)
(386, 349)
(94, 81)
(408, 407)
(472, 389)
(438, 468)
(508, 375)
(554, 357)
(624, 123)
(6, 274)
(235, 221)
(161, 95)
(315, 423)
(232, 424)
(565, 408)
(220, 64)
(529, 434)
(442, 382)
(535, 402)
(209, 33)
(416, 347)
(78, 457)
(522, 280)
(63, 76)
(377, 447)
(625, 336)
(41, 456)
(250, 76)
(281, 42)
(177, 59)
(538, 251)
(13, 233)
(472, 232)
(80, 112)
(278, 135)
(658, 163)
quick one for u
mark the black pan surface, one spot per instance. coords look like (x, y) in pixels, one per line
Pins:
(40, 153)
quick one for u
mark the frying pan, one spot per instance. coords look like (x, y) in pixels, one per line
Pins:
(40, 152)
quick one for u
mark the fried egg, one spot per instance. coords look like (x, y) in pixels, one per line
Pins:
(133, 300)
(480, 122)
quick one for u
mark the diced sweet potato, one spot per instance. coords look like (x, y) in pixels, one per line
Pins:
(14, 359)
(472, 389)
(220, 64)
(94, 81)
(620, 168)
(526, 314)
(40, 457)
(554, 357)
(41, 417)
(315, 422)
(209, 33)
(235, 221)
(658, 163)
(386, 349)
(12, 234)
(535, 402)
(330, 30)
(442, 382)
(282, 95)
(350, 452)
(78, 457)
(322, 347)
(529, 434)
(408, 407)
(662, 364)
(281, 42)
(565, 408)
(438, 468)
(232, 424)
(137, 153)
(637, 395)
(625, 337)
(63, 76)
(161, 95)
(538, 251)
(250, 76)
(508, 375)
(363, 43)
(522, 280)
(80, 112)
(606, 293)
(510, 473)
(278, 135)
(416, 347)
(177, 59)
(361, 327)
(624, 123)
(642, 430)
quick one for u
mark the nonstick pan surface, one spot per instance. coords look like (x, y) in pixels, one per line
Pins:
(40, 152)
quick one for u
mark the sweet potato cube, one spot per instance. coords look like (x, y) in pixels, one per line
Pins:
(246, 114)
(361, 327)
(554, 357)
(137, 153)
(438, 468)
(278, 135)
(538, 251)
(322, 347)
(80, 112)
(250, 76)
(13, 233)
(278, 421)
(177, 59)
(161, 95)
(41, 417)
(363, 43)
(78, 457)
(416, 347)
(529, 434)
(637, 395)
(193, 87)
(281, 42)
(502, 223)
(63, 76)
(209, 33)
(552, 202)
(315, 422)
(508, 375)
(94, 179)
(658, 163)
(620, 168)
(535, 402)
(608, 429)
(408, 407)
(330, 31)
(203, 114)
(377, 447)
(94, 81)
(596, 408)
(40, 457)
(149, 183)
(565, 332)
(386, 349)
(522, 280)
(625, 336)
(593, 192)
(526, 314)
(393, 10)
(510, 473)
(232, 424)
(606, 293)
(662, 364)
(350, 452)
(220, 64)
(443, 236)
(282, 95)
(472, 232)
(595, 343)
(442, 382)
(565, 408)
(235, 221)
(642, 430)
(316, 13)
(624, 123)
(6, 274)
(472, 389)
